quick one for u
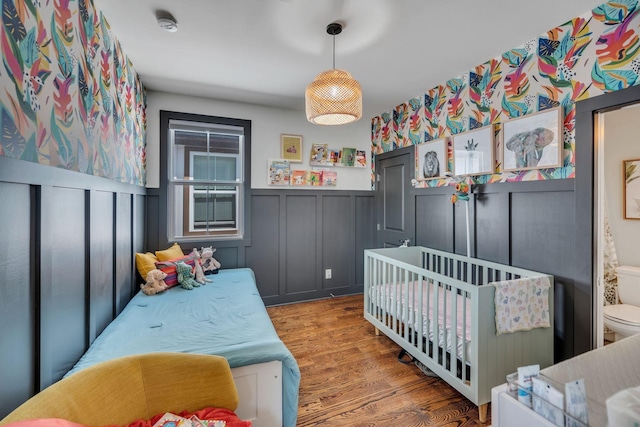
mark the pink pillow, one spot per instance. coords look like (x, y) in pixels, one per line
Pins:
(169, 267)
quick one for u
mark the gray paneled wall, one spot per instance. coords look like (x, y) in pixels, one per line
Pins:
(66, 268)
(526, 224)
(295, 236)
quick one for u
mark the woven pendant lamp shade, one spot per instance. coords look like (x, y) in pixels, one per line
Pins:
(334, 97)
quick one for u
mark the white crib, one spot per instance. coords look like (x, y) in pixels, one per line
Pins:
(455, 290)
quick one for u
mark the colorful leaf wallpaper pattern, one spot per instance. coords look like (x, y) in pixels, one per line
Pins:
(71, 98)
(587, 56)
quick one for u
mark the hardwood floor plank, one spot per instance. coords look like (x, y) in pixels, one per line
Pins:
(351, 377)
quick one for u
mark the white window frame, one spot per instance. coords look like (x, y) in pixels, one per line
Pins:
(176, 208)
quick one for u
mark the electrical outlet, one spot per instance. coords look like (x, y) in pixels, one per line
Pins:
(327, 273)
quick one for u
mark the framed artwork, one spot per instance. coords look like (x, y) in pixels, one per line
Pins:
(279, 172)
(319, 154)
(291, 148)
(533, 141)
(631, 189)
(431, 160)
(473, 152)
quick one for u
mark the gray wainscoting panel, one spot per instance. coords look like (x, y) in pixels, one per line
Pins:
(263, 256)
(17, 297)
(492, 227)
(302, 238)
(460, 227)
(139, 216)
(152, 224)
(543, 239)
(336, 235)
(434, 222)
(227, 256)
(63, 320)
(364, 220)
(101, 253)
(124, 242)
(539, 235)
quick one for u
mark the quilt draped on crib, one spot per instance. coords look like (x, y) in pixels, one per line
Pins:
(522, 304)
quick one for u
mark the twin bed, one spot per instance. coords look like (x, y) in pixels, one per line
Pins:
(407, 289)
(226, 317)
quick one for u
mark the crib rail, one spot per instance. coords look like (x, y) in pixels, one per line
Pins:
(438, 307)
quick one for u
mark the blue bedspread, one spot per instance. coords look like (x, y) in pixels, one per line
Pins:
(226, 317)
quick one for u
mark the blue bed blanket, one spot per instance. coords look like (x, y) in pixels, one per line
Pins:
(226, 317)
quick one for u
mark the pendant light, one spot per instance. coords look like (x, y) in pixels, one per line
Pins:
(334, 97)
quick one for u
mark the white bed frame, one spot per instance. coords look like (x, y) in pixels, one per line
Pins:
(490, 357)
(260, 391)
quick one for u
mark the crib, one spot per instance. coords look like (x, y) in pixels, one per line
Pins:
(462, 346)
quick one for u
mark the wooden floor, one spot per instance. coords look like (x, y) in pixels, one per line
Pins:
(351, 377)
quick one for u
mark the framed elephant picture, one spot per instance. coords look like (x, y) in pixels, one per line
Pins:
(533, 141)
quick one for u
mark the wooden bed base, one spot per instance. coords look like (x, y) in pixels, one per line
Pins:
(260, 391)
(487, 358)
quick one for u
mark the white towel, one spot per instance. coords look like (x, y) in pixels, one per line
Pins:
(522, 304)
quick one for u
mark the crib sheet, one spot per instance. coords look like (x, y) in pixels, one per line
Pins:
(387, 297)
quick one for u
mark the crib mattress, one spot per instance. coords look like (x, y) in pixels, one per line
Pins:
(384, 296)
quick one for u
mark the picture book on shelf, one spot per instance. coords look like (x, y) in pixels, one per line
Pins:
(299, 177)
(314, 178)
(334, 157)
(329, 178)
(279, 172)
(348, 156)
(319, 154)
(361, 159)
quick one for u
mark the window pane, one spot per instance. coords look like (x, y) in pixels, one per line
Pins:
(213, 210)
(225, 168)
(221, 153)
(203, 210)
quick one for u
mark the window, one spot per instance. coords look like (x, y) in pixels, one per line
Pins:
(205, 180)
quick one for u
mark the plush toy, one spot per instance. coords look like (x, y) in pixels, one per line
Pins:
(186, 276)
(155, 282)
(197, 269)
(209, 264)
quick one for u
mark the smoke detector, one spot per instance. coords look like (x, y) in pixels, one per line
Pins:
(167, 22)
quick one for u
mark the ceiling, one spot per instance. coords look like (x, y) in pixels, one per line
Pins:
(266, 51)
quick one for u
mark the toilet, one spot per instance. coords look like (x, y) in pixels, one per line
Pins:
(624, 318)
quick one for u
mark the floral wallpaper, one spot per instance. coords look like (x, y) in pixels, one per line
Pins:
(587, 56)
(70, 98)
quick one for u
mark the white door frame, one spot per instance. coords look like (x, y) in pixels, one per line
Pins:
(598, 223)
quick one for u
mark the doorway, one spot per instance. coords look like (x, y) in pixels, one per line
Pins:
(590, 191)
(617, 232)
